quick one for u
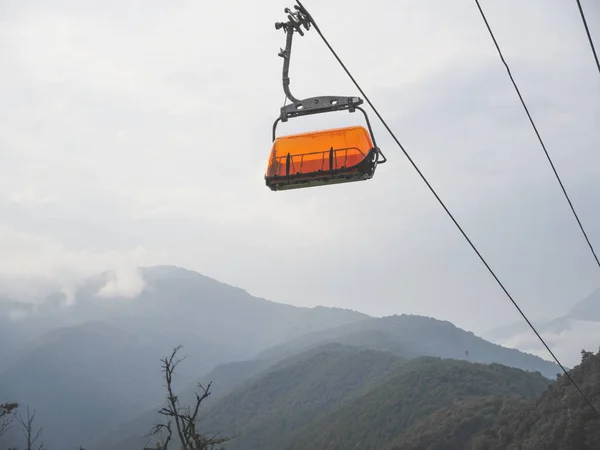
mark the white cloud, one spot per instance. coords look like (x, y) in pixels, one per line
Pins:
(33, 266)
(126, 282)
(566, 344)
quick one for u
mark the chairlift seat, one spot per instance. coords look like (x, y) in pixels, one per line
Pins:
(333, 156)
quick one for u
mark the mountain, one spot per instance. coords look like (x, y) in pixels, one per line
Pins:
(409, 335)
(404, 336)
(82, 379)
(454, 426)
(250, 397)
(90, 364)
(307, 401)
(412, 392)
(173, 299)
(558, 419)
(561, 418)
(295, 392)
(182, 306)
(10, 339)
(89, 367)
(588, 308)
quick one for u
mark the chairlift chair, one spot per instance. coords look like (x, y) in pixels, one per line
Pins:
(321, 157)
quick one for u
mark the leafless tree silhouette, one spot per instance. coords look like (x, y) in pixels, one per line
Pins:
(27, 424)
(7, 414)
(184, 418)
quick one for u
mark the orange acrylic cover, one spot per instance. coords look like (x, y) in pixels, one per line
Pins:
(309, 152)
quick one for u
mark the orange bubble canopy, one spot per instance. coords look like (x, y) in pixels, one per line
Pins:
(331, 156)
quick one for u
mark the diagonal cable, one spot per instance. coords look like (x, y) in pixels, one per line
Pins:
(589, 36)
(447, 211)
(538, 136)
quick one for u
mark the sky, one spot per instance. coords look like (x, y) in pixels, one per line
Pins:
(137, 133)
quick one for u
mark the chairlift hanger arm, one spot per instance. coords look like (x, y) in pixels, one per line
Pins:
(313, 105)
(294, 23)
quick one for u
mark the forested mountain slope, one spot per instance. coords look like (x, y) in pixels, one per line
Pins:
(267, 410)
(559, 419)
(336, 397)
(454, 426)
(413, 392)
(391, 334)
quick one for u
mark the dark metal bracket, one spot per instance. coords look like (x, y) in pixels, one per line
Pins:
(312, 105)
(296, 20)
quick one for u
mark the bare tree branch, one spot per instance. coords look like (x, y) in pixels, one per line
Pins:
(7, 414)
(185, 418)
(27, 424)
(172, 410)
(158, 430)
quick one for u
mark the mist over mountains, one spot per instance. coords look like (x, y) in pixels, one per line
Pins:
(578, 328)
(90, 364)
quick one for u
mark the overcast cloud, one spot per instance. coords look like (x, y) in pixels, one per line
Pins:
(137, 133)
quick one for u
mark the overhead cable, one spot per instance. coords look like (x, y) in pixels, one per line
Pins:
(446, 209)
(589, 36)
(537, 133)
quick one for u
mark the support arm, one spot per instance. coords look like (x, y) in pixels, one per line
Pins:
(295, 21)
(312, 105)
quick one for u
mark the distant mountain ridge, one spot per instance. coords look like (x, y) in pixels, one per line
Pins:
(412, 392)
(410, 335)
(106, 351)
(297, 391)
(588, 308)
(373, 335)
(304, 399)
(336, 397)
